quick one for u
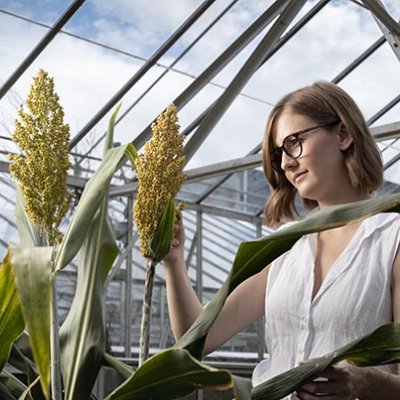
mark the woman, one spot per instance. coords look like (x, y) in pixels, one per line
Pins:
(343, 283)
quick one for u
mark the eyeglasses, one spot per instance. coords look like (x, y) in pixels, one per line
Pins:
(292, 146)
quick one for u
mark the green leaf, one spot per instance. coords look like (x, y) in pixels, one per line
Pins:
(254, 256)
(241, 387)
(22, 363)
(29, 233)
(160, 243)
(23, 345)
(170, 374)
(82, 335)
(131, 153)
(382, 346)
(32, 267)
(123, 369)
(10, 387)
(108, 142)
(11, 320)
(95, 191)
(28, 390)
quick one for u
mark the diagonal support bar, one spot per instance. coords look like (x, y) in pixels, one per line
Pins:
(362, 57)
(375, 6)
(392, 36)
(40, 46)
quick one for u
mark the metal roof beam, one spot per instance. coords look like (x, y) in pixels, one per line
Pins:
(380, 13)
(226, 167)
(40, 46)
(222, 212)
(386, 132)
(362, 57)
(201, 173)
(384, 110)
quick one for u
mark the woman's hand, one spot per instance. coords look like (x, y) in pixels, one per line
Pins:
(340, 382)
(176, 254)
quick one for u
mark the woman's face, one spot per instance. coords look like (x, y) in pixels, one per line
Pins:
(319, 173)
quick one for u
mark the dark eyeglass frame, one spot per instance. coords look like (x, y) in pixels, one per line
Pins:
(276, 153)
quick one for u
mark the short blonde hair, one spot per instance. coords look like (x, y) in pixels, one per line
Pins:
(323, 102)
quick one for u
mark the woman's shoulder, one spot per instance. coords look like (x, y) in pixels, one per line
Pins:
(382, 229)
(384, 220)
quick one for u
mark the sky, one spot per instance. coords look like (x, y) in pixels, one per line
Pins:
(87, 76)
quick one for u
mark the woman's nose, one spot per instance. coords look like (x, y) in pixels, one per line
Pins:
(287, 161)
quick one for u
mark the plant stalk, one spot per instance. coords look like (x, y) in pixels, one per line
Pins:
(146, 312)
(56, 388)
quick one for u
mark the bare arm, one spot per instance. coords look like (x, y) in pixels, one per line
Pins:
(243, 306)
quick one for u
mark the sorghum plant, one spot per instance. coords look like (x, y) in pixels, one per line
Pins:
(159, 172)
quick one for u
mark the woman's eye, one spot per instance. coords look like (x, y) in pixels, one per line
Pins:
(292, 141)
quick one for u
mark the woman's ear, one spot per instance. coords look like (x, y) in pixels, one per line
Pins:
(344, 138)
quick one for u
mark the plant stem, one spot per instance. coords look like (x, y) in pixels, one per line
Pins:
(146, 312)
(55, 345)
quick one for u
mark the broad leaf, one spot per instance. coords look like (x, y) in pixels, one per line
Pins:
(170, 374)
(10, 387)
(11, 320)
(31, 267)
(95, 191)
(82, 336)
(254, 256)
(380, 347)
(160, 243)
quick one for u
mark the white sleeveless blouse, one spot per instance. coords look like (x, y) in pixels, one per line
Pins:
(353, 300)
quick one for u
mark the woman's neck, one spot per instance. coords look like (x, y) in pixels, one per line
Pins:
(342, 198)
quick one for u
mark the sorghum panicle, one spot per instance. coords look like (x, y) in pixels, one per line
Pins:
(42, 168)
(159, 172)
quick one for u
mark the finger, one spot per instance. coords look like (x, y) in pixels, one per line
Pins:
(321, 387)
(335, 373)
(303, 395)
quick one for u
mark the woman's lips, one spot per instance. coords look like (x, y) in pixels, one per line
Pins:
(298, 176)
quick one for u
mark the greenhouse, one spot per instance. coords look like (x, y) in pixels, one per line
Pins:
(116, 66)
